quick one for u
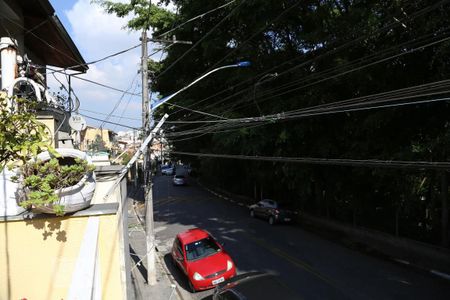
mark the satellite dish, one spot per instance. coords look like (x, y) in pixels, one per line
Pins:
(77, 122)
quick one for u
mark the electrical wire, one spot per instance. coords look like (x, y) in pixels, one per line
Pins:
(114, 123)
(344, 72)
(200, 40)
(333, 50)
(333, 108)
(74, 106)
(369, 163)
(198, 112)
(113, 116)
(96, 83)
(119, 101)
(365, 66)
(104, 58)
(195, 18)
(372, 56)
(374, 101)
(125, 107)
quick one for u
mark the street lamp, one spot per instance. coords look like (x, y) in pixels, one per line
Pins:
(241, 64)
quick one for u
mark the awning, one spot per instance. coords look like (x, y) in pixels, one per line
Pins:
(46, 36)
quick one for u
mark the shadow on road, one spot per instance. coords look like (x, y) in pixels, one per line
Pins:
(140, 266)
(179, 277)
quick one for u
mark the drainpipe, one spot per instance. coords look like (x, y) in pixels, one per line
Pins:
(8, 52)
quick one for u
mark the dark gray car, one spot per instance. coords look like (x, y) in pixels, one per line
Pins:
(271, 211)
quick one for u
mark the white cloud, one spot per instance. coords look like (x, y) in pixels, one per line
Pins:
(98, 34)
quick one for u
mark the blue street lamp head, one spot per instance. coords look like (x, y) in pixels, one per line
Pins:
(243, 64)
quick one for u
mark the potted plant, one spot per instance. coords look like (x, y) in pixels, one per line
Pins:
(21, 137)
(57, 183)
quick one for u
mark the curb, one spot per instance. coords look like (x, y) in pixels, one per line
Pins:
(430, 271)
(170, 277)
(220, 195)
(160, 261)
(433, 272)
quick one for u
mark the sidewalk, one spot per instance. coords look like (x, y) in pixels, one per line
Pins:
(165, 288)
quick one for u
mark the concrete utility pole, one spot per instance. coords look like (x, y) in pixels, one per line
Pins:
(145, 98)
(148, 193)
(444, 218)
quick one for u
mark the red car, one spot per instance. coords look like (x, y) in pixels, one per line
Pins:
(202, 259)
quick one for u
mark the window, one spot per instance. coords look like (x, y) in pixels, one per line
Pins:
(177, 247)
(201, 248)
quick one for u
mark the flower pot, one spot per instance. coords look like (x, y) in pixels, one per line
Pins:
(76, 197)
(9, 205)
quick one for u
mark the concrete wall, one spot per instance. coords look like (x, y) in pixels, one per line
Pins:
(81, 256)
(39, 256)
(105, 179)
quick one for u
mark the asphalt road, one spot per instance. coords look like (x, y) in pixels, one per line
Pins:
(313, 267)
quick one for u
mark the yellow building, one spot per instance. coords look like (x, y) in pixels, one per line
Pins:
(80, 256)
(99, 139)
(84, 255)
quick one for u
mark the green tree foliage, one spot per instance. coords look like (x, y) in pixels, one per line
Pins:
(98, 144)
(144, 13)
(21, 135)
(323, 51)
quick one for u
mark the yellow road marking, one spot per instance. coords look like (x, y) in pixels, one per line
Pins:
(168, 201)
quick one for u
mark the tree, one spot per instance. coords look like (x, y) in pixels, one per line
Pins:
(97, 144)
(324, 52)
(146, 15)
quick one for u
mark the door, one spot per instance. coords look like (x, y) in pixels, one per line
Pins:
(177, 254)
(259, 209)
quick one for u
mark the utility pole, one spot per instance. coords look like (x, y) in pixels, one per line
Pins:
(145, 98)
(444, 218)
(148, 194)
(147, 116)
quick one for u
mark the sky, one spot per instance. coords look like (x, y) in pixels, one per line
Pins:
(96, 35)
